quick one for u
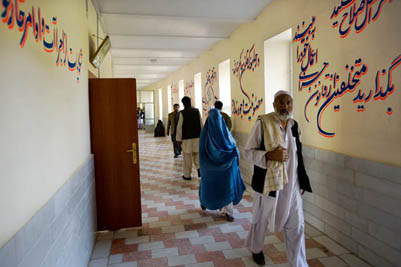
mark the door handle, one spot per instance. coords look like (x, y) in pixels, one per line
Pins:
(133, 150)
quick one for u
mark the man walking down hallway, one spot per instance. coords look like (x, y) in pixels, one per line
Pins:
(188, 132)
(172, 128)
(279, 175)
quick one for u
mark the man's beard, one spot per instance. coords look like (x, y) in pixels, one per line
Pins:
(284, 115)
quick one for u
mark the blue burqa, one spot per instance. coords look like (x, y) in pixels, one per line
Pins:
(221, 181)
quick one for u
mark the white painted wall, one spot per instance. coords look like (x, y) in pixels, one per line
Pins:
(44, 118)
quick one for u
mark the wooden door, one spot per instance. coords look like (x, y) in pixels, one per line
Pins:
(114, 141)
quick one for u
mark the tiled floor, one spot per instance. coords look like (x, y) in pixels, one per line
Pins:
(176, 232)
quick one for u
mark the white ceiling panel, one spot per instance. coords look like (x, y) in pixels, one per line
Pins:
(155, 53)
(167, 42)
(150, 61)
(138, 69)
(152, 38)
(238, 9)
(147, 76)
(169, 26)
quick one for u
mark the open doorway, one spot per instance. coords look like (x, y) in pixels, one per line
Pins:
(146, 119)
(225, 85)
(198, 91)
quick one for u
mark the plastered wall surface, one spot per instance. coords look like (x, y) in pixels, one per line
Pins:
(44, 114)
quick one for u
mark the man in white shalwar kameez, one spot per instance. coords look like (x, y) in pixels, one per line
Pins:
(280, 209)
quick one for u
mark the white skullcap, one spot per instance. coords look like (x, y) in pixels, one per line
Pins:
(281, 92)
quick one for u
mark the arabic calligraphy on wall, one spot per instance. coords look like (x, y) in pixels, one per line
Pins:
(357, 16)
(188, 89)
(12, 15)
(247, 106)
(209, 97)
(324, 87)
(174, 94)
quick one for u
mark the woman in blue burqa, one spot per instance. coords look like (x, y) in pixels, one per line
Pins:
(221, 184)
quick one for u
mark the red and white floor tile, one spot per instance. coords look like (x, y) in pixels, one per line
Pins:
(176, 232)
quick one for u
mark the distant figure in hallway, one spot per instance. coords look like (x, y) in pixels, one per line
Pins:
(188, 131)
(140, 115)
(275, 149)
(159, 129)
(227, 119)
(172, 123)
(221, 185)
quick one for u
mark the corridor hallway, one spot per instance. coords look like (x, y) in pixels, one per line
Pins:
(176, 232)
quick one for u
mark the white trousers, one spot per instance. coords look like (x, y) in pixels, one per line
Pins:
(229, 209)
(189, 159)
(190, 154)
(293, 229)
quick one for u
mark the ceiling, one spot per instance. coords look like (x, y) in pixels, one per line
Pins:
(153, 38)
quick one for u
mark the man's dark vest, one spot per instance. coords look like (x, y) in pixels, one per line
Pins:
(258, 178)
(191, 126)
(176, 117)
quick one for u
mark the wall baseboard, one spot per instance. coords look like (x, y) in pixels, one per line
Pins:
(62, 232)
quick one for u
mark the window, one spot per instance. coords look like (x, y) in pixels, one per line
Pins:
(160, 105)
(225, 86)
(180, 90)
(169, 108)
(277, 66)
(198, 91)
